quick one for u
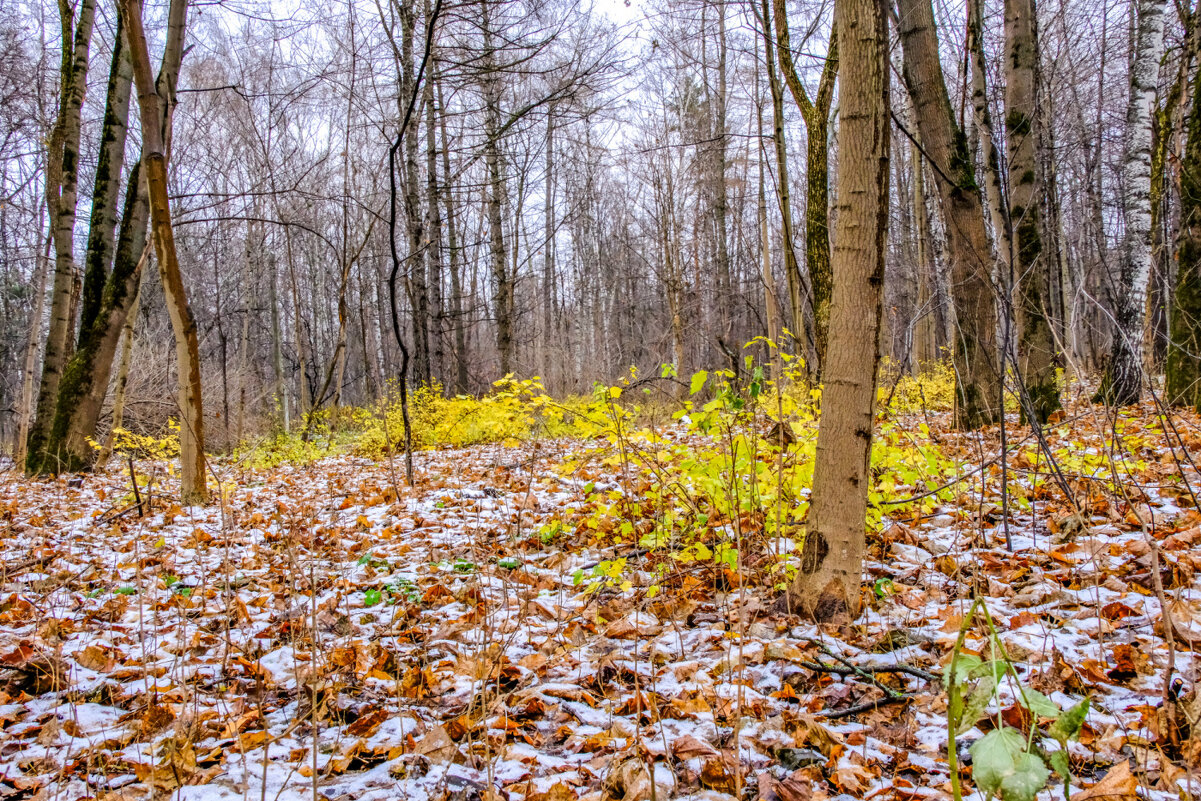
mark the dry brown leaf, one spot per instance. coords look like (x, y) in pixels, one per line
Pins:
(437, 745)
(1118, 785)
(687, 747)
(558, 792)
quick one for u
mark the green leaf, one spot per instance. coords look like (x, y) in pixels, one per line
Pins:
(957, 672)
(976, 703)
(1038, 704)
(1059, 761)
(509, 563)
(994, 667)
(372, 597)
(698, 381)
(1067, 725)
(125, 591)
(1001, 765)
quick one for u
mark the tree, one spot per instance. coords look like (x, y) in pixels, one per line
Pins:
(974, 353)
(816, 114)
(115, 256)
(1184, 349)
(1122, 384)
(1037, 349)
(153, 102)
(832, 557)
(62, 183)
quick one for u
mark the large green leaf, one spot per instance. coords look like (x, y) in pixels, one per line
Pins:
(1002, 766)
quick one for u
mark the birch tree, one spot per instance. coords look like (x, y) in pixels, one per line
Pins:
(1122, 384)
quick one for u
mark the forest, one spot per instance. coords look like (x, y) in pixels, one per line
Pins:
(541, 400)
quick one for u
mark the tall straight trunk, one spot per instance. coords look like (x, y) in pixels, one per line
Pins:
(452, 247)
(816, 114)
(994, 195)
(974, 351)
(1037, 352)
(1184, 348)
(792, 268)
(770, 305)
(122, 382)
(155, 103)
(718, 189)
(415, 282)
(62, 182)
(924, 343)
(106, 192)
(503, 303)
(1122, 385)
(303, 362)
(549, 285)
(827, 584)
(277, 349)
(433, 253)
(29, 372)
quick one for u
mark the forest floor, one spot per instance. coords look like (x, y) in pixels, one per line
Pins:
(323, 631)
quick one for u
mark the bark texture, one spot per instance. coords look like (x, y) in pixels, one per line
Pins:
(153, 102)
(827, 585)
(1122, 385)
(974, 350)
(1038, 355)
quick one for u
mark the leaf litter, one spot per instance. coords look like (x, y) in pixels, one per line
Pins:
(324, 631)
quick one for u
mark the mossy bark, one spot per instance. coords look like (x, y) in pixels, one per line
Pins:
(62, 182)
(974, 352)
(1184, 349)
(1038, 356)
(816, 114)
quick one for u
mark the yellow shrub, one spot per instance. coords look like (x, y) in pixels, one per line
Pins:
(517, 410)
(933, 389)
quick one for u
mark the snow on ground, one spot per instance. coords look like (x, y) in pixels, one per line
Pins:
(324, 631)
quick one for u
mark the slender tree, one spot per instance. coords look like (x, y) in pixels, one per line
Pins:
(816, 115)
(193, 487)
(1122, 384)
(827, 585)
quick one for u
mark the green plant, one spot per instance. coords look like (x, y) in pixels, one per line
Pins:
(1005, 762)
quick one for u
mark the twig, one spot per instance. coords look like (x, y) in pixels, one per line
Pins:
(857, 670)
(867, 706)
(873, 669)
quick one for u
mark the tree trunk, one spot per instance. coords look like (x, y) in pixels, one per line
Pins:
(925, 349)
(29, 373)
(122, 375)
(433, 253)
(503, 303)
(1184, 350)
(792, 269)
(1122, 385)
(827, 585)
(1037, 352)
(62, 182)
(452, 246)
(152, 101)
(816, 114)
(109, 293)
(974, 351)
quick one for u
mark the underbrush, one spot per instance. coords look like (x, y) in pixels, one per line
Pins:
(516, 411)
(730, 486)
